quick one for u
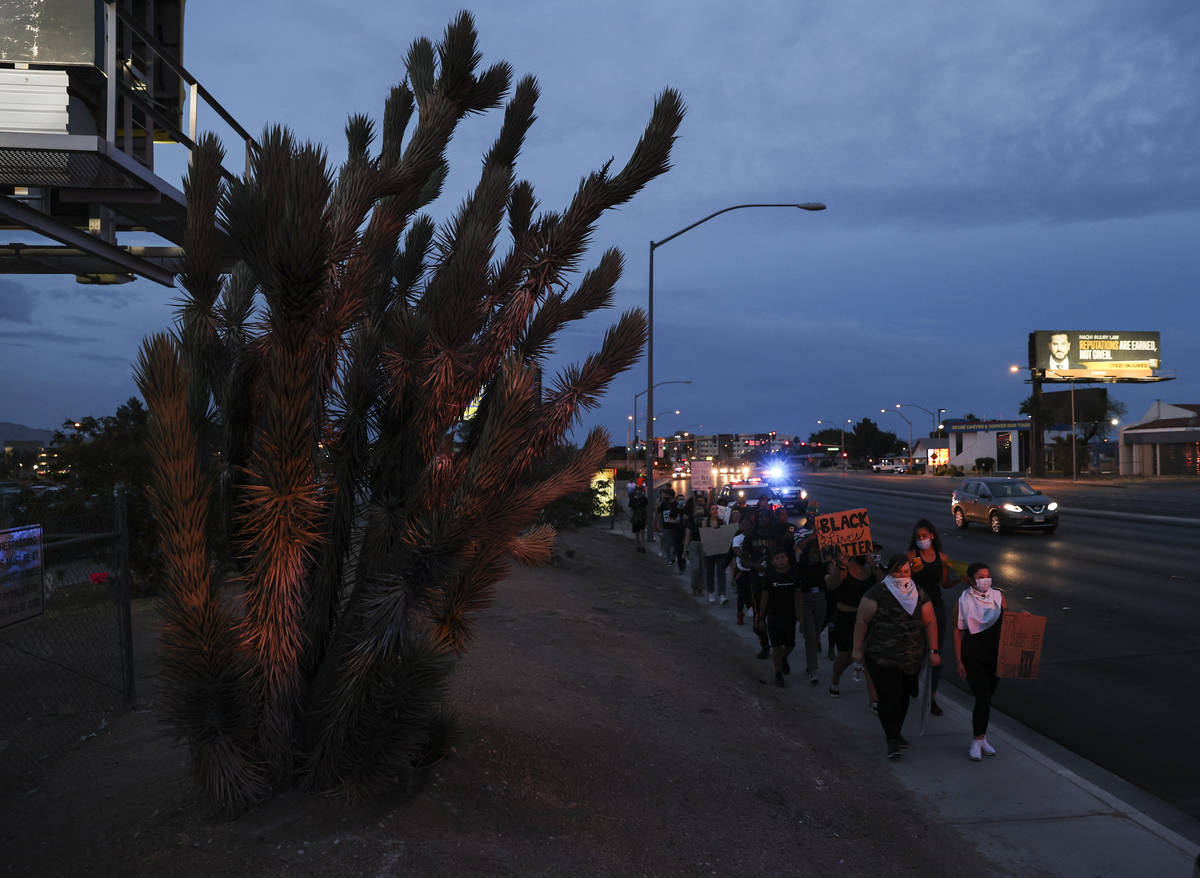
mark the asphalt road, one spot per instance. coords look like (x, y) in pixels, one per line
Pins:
(1122, 601)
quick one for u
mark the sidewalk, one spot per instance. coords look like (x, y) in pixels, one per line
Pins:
(1025, 810)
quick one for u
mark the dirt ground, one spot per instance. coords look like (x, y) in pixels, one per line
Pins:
(608, 728)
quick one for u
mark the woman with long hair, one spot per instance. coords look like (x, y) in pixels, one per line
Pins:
(931, 572)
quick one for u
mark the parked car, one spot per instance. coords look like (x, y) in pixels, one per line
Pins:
(9, 489)
(1003, 504)
(890, 465)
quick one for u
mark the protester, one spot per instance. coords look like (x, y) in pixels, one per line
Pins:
(785, 533)
(715, 541)
(637, 517)
(780, 605)
(667, 520)
(812, 571)
(848, 579)
(895, 624)
(976, 648)
(744, 565)
(931, 572)
(691, 544)
(765, 537)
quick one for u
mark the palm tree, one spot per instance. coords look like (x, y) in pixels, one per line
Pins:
(308, 411)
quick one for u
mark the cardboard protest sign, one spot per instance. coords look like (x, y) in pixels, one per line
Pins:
(844, 533)
(1020, 646)
(702, 475)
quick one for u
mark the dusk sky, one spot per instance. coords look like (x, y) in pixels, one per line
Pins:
(989, 170)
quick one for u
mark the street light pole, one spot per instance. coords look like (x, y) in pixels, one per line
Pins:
(897, 411)
(848, 421)
(654, 245)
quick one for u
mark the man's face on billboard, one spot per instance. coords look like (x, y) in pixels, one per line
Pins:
(1060, 345)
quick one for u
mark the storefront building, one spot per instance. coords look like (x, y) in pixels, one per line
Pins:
(1004, 443)
(1165, 442)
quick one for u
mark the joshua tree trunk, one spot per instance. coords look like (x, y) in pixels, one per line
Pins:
(309, 411)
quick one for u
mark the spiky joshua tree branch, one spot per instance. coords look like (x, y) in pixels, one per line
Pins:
(308, 413)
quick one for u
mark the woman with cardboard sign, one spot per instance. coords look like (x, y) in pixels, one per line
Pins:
(977, 647)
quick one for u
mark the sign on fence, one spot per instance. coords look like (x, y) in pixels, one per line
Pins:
(21, 594)
(844, 533)
(1020, 646)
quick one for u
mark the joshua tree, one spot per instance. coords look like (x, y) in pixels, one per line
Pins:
(309, 412)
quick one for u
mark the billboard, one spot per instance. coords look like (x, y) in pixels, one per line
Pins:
(1066, 355)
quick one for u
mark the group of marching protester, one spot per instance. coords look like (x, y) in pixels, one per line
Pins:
(887, 620)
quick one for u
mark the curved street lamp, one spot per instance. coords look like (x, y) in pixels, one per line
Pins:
(896, 411)
(654, 245)
(643, 393)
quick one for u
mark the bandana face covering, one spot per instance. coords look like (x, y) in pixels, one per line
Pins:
(904, 591)
(982, 586)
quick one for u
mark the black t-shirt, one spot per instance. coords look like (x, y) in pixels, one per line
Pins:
(781, 593)
(672, 514)
(929, 578)
(637, 506)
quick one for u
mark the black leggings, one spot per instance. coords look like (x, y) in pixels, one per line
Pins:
(935, 677)
(980, 664)
(894, 688)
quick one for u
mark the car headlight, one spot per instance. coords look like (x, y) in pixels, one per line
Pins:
(1011, 507)
(803, 494)
(1052, 505)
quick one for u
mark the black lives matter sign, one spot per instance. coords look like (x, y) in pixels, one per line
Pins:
(842, 534)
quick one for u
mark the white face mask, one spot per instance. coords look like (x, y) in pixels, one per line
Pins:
(982, 586)
(902, 582)
(924, 544)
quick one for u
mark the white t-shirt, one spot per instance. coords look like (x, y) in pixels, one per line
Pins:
(737, 545)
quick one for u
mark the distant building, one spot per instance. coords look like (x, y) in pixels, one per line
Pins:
(1165, 442)
(1006, 443)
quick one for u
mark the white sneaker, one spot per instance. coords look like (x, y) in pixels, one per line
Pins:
(724, 600)
(986, 748)
(975, 754)
(712, 598)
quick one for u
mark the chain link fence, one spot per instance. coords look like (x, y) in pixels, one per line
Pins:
(66, 670)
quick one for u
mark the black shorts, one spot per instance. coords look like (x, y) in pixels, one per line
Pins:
(843, 627)
(781, 633)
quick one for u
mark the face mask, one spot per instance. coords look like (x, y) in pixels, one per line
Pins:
(982, 585)
(902, 582)
(924, 544)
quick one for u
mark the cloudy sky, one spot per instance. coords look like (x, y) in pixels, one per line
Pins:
(989, 171)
